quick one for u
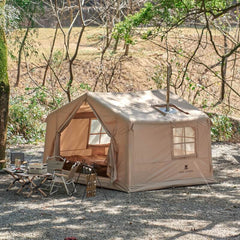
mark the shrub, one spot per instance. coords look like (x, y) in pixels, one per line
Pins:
(27, 114)
(25, 121)
(222, 128)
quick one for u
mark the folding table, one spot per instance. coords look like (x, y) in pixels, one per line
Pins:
(16, 179)
(30, 182)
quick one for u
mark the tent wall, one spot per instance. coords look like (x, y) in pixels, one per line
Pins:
(153, 163)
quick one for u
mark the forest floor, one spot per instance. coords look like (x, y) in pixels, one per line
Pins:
(206, 212)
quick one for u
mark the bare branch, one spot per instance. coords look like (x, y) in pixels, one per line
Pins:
(191, 57)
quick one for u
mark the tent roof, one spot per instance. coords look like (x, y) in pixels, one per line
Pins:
(137, 106)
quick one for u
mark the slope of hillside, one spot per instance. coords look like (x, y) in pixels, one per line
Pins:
(144, 68)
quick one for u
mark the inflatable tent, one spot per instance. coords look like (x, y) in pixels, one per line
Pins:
(134, 143)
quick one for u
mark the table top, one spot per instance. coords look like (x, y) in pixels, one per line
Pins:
(25, 174)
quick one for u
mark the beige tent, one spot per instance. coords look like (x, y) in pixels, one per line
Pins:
(134, 143)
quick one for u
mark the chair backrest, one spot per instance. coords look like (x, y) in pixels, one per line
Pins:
(16, 155)
(73, 170)
(54, 162)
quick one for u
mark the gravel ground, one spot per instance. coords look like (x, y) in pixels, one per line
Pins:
(196, 212)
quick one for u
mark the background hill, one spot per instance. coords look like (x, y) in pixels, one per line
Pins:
(144, 68)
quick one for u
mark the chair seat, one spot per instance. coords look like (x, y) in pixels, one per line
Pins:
(65, 179)
(61, 175)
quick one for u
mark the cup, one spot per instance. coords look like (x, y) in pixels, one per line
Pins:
(17, 163)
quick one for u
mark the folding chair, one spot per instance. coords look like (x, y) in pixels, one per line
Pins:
(66, 179)
(54, 163)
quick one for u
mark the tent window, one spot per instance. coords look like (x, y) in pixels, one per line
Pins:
(184, 142)
(97, 134)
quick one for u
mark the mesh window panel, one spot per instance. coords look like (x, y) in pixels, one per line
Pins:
(104, 139)
(178, 132)
(179, 150)
(94, 139)
(190, 148)
(178, 139)
(95, 126)
(189, 132)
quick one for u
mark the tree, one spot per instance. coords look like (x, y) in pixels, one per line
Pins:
(4, 84)
(217, 26)
(27, 13)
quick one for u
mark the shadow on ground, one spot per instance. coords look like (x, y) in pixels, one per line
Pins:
(196, 212)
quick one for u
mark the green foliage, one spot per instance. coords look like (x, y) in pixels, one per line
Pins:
(222, 128)
(57, 58)
(3, 60)
(124, 29)
(166, 14)
(25, 121)
(12, 17)
(31, 46)
(4, 83)
(27, 114)
(85, 86)
(26, 10)
(159, 77)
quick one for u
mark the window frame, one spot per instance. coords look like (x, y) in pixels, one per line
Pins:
(185, 143)
(100, 133)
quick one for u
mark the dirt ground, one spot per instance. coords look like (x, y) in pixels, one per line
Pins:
(197, 212)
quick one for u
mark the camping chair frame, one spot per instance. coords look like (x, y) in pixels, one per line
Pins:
(66, 179)
(54, 163)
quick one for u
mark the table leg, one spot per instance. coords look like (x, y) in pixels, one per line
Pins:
(37, 187)
(31, 184)
(12, 183)
(16, 179)
(23, 184)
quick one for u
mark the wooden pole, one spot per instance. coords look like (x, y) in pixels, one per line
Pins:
(169, 74)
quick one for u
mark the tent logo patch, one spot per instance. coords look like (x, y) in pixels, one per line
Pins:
(186, 169)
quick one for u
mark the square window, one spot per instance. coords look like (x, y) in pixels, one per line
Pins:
(184, 141)
(97, 134)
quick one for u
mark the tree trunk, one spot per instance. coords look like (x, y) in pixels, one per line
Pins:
(4, 85)
(20, 53)
(224, 70)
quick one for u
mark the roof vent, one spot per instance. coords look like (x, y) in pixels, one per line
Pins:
(172, 109)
